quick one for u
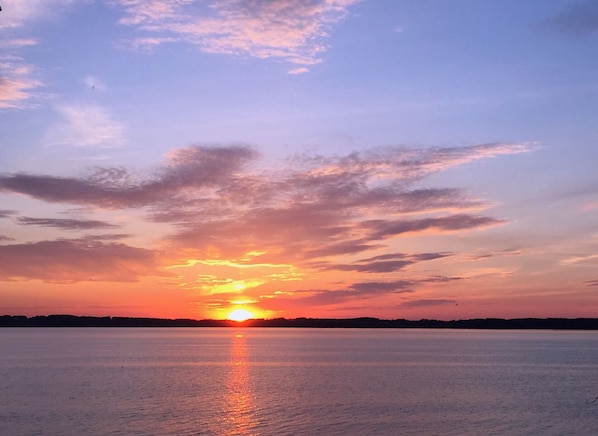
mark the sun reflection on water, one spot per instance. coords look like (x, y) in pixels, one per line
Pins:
(240, 414)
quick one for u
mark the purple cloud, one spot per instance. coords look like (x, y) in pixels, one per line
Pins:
(76, 260)
(382, 229)
(428, 302)
(309, 210)
(66, 224)
(188, 168)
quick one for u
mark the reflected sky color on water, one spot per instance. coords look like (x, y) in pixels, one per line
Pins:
(258, 381)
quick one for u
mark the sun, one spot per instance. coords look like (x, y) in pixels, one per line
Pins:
(240, 315)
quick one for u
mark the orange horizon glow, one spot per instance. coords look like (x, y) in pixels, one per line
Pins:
(432, 196)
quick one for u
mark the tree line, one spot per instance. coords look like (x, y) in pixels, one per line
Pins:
(364, 322)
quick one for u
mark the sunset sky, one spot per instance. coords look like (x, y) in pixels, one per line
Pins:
(299, 158)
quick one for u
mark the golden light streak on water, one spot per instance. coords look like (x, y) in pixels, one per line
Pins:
(239, 416)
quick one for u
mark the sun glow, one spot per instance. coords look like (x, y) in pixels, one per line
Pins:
(240, 315)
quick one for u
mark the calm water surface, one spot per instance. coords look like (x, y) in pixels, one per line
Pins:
(297, 382)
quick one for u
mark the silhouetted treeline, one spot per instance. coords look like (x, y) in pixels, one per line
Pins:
(480, 323)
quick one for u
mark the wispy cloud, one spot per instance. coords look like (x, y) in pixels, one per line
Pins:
(428, 302)
(215, 202)
(18, 78)
(385, 228)
(300, 70)
(94, 82)
(85, 125)
(18, 13)
(18, 43)
(386, 263)
(17, 82)
(358, 292)
(5, 213)
(117, 187)
(583, 259)
(65, 224)
(292, 30)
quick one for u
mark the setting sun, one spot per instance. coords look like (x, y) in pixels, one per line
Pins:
(240, 315)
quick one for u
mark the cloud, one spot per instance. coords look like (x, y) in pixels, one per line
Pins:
(428, 302)
(592, 283)
(18, 43)
(578, 19)
(375, 267)
(382, 229)
(357, 292)
(17, 77)
(94, 83)
(18, 13)
(292, 30)
(310, 210)
(185, 169)
(399, 286)
(75, 260)
(387, 263)
(576, 259)
(301, 70)
(17, 82)
(5, 213)
(85, 125)
(65, 224)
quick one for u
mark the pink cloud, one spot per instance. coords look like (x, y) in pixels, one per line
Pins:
(292, 30)
(315, 212)
(17, 82)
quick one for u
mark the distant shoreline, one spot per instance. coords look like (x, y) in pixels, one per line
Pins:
(365, 322)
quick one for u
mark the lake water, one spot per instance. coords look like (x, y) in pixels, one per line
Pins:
(253, 381)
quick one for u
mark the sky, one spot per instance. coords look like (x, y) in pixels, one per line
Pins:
(299, 158)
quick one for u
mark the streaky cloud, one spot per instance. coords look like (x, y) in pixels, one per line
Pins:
(64, 223)
(426, 302)
(17, 82)
(375, 267)
(387, 263)
(381, 229)
(399, 286)
(193, 167)
(75, 260)
(308, 212)
(6, 213)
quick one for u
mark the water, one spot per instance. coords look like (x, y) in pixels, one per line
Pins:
(297, 382)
